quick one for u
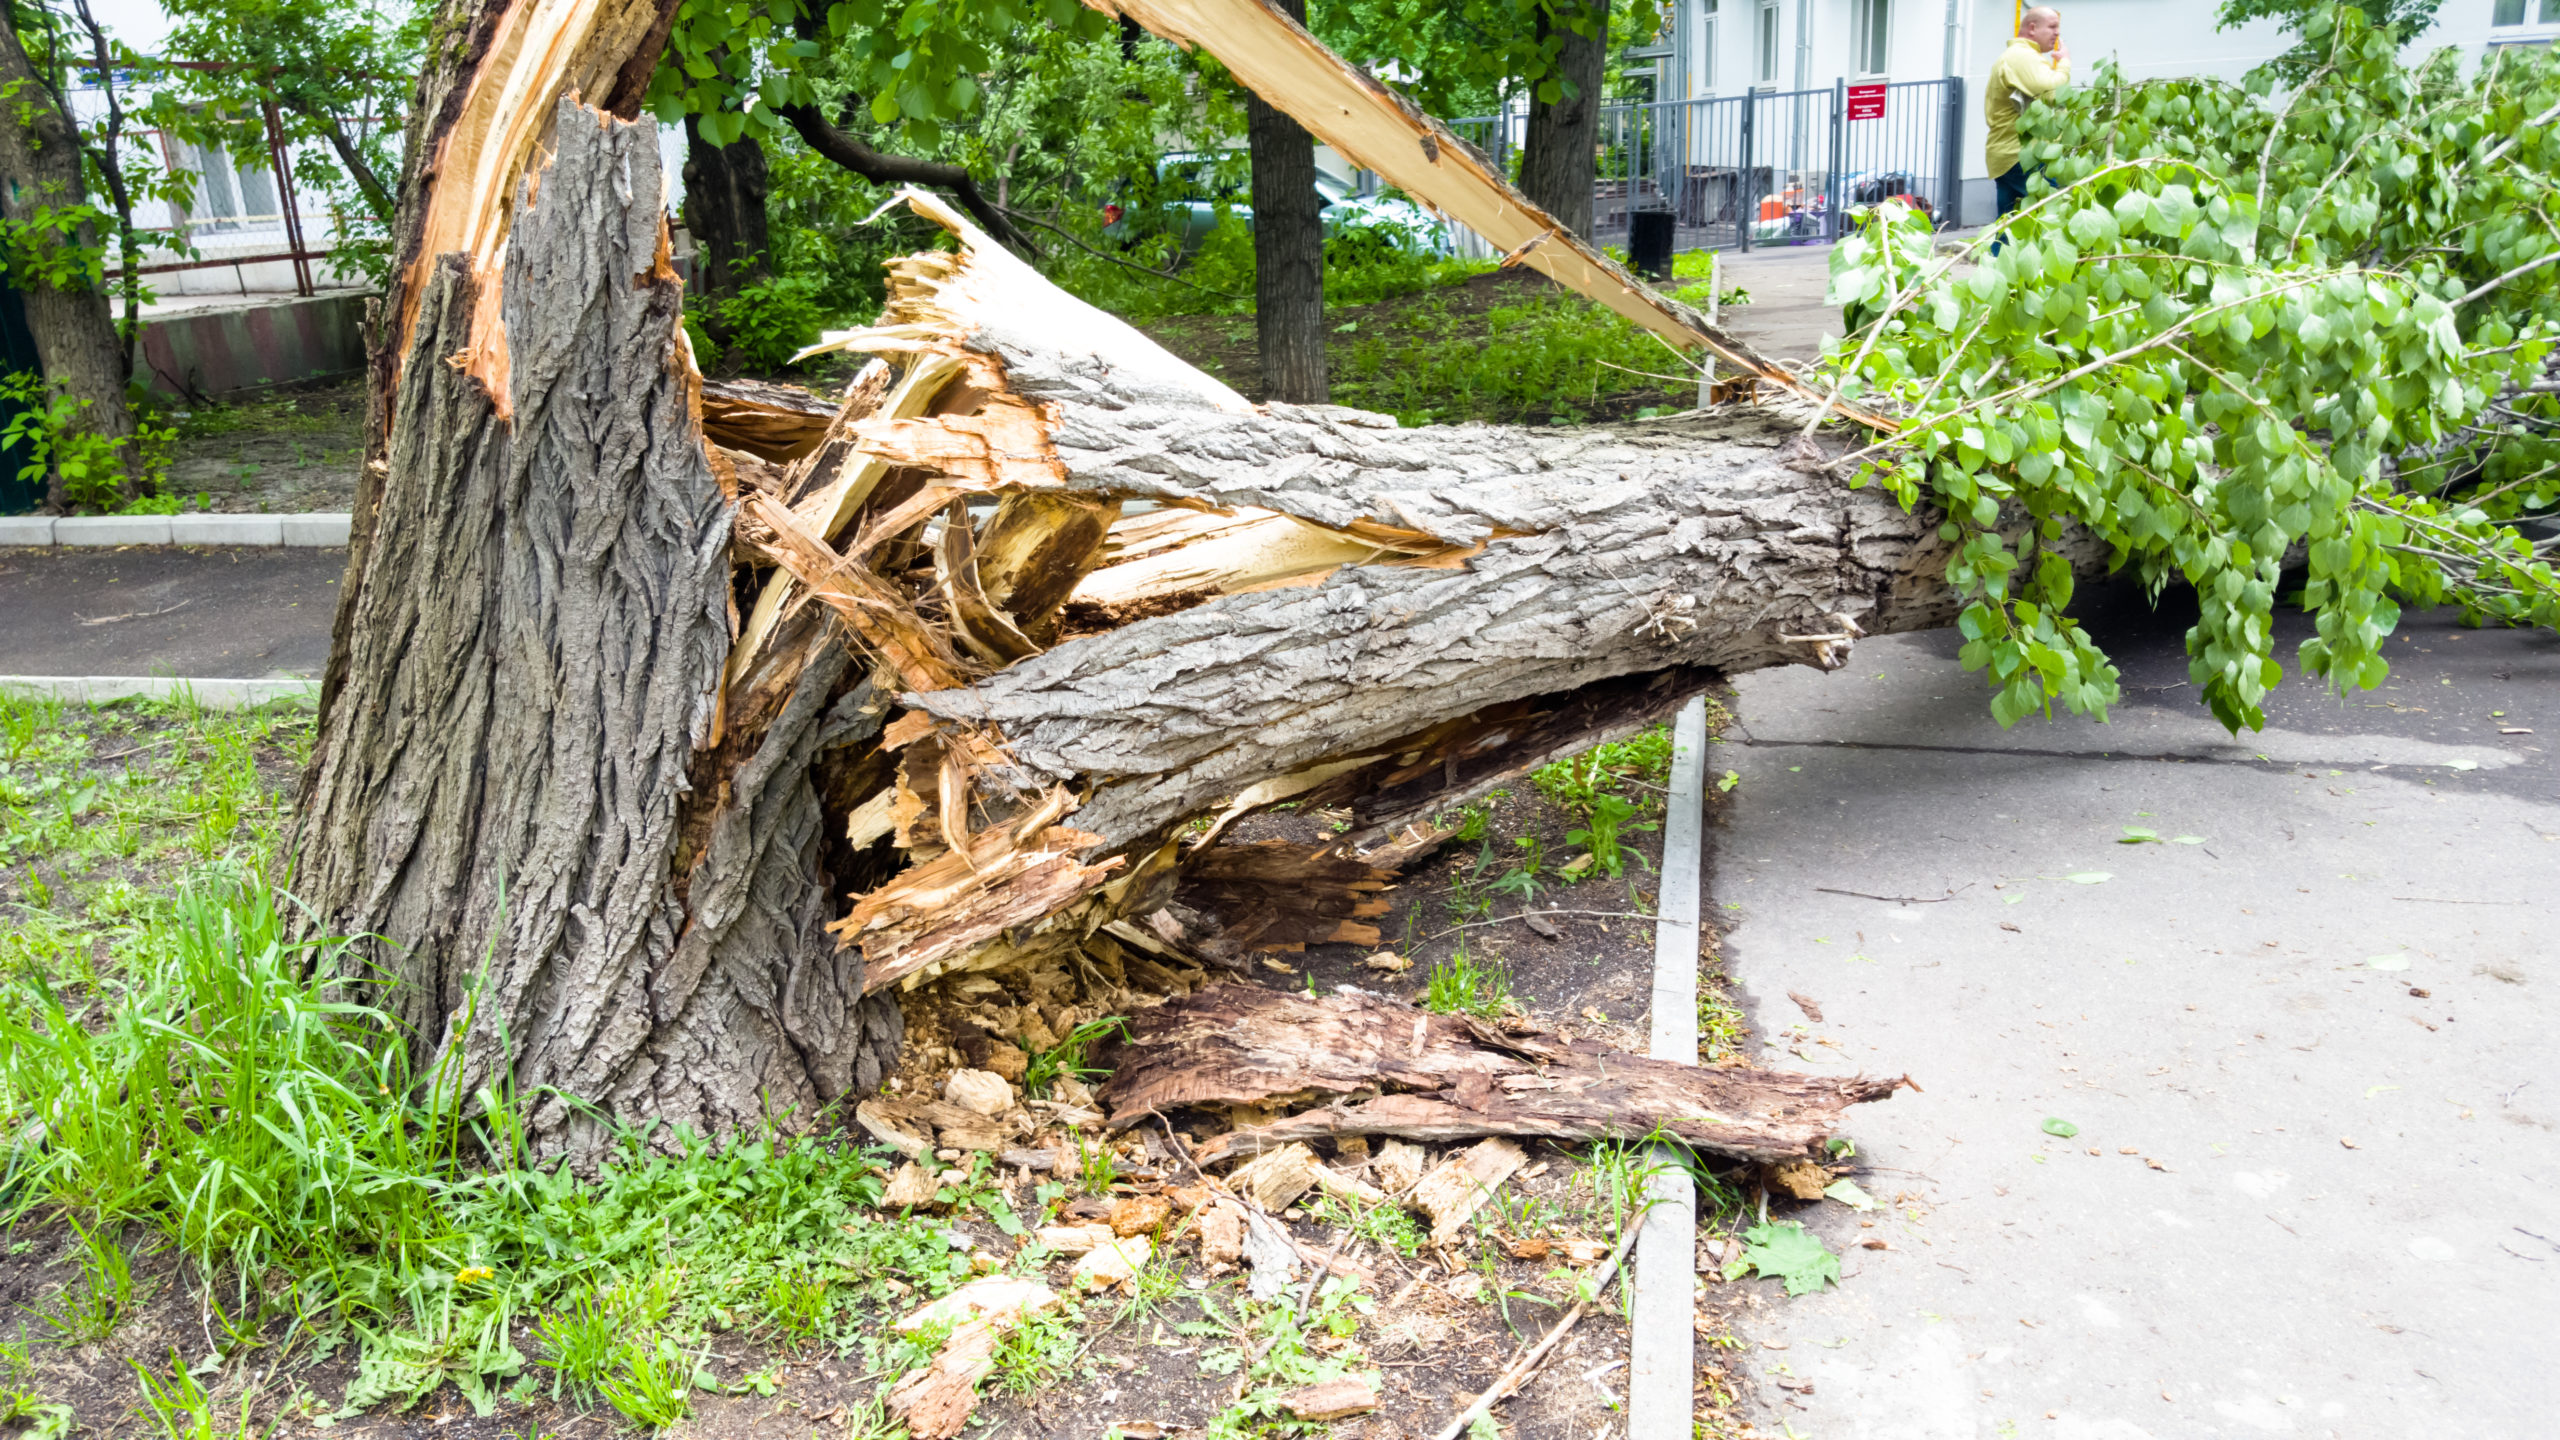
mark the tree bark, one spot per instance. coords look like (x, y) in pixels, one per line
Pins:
(651, 765)
(1558, 168)
(67, 309)
(1288, 249)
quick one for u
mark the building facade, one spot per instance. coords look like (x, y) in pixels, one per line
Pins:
(1721, 48)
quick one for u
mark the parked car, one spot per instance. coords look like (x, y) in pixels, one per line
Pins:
(1198, 182)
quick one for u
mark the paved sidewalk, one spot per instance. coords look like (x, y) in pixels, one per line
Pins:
(226, 613)
(2330, 1020)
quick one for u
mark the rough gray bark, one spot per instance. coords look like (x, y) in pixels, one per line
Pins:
(1678, 543)
(1288, 250)
(531, 670)
(1557, 156)
(73, 326)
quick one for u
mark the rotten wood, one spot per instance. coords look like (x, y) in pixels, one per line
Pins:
(1376, 1066)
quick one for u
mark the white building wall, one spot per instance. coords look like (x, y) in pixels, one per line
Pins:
(2146, 38)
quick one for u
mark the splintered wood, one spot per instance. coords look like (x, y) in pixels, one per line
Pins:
(1100, 599)
(1375, 1066)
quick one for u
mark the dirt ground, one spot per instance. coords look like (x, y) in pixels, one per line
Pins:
(286, 451)
(1441, 1323)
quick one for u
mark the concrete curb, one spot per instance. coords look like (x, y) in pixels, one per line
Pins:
(214, 694)
(315, 530)
(1662, 1352)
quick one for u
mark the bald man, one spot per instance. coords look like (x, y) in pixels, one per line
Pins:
(2021, 76)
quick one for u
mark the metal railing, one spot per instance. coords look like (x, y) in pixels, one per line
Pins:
(1767, 168)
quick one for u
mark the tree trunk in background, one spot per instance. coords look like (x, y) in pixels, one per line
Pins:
(1288, 250)
(1558, 159)
(724, 211)
(74, 328)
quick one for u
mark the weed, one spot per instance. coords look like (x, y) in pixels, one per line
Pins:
(795, 1308)
(183, 1408)
(580, 1345)
(1040, 1351)
(655, 1388)
(1068, 1056)
(1388, 1226)
(92, 1307)
(19, 1406)
(1603, 837)
(1464, 985)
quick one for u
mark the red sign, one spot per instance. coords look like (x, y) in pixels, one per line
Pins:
(1866, 102)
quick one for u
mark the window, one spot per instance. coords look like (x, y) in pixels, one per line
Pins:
(1872, 33)
(2511, 12)
(1703, 56)
(229, 194)
(1765, 61)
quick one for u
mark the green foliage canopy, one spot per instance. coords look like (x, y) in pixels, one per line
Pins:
(2234, 328)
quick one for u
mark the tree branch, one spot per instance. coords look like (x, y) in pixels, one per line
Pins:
(376, 197)
(881, 168)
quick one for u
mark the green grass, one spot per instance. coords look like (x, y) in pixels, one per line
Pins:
(1466, 985)
(177, 1070)
(1554, 355)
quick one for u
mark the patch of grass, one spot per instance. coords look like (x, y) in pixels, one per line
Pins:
(1388, 1226)
(1465, 985)
(1552, 355)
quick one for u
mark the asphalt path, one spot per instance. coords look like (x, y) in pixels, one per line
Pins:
(229, 613)
(2303, 1041)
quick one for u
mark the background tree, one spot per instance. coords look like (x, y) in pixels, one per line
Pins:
(1288, 250)
(1558, 156)
(56, 253)
(338, 73)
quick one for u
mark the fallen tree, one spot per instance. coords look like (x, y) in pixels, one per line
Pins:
(669, 739)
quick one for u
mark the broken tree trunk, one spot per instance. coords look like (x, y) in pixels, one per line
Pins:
(661, 736)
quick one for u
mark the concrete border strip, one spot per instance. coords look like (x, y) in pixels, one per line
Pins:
(1662, 1345)
(320, 529)
(213, 693)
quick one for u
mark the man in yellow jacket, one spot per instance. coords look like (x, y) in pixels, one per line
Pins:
(2021, 76)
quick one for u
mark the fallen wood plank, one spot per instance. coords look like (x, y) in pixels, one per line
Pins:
(772, 422)
(1448, 1078)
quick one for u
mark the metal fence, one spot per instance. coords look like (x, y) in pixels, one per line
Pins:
(1771, 168)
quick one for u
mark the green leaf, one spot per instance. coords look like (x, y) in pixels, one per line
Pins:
(2136, 835)
(2056, 1125)
(1787, 1251)
(2089, 877)
(1846, 1191)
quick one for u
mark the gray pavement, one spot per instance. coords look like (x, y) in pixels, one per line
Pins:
(2329, 1020)
(1786, 316)
(158, 610)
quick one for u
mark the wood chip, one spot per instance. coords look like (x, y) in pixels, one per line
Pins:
(911, 1186)
(1221, 1230)
(1399, 1165)
(1274, 1180)
(1802, 1179)
(1140, 1215)
(1074, 1241)
(1113, 1262)
(1331, 1399)
(1458, 1187)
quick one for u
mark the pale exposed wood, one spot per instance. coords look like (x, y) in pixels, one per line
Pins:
(1276, 1178)
(1459, 1186)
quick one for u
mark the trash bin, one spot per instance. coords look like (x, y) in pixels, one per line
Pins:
(1650, 234)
